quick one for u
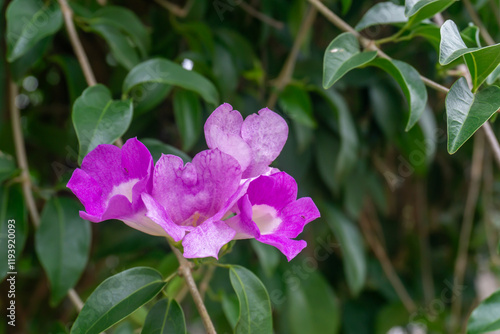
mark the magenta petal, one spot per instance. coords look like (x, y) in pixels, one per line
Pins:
(296, 215)
(266, 134)
(207, 239)
(276, 190)
(136, 161)
(88, 191)
(242, 223)
(291, 248)
(223, 131)
(198, 190)
(158, 215)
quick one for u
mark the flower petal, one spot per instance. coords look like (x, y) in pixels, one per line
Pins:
(242, 223)
(223, 131)
(207, 239)
(88, 191)
(266, 134)
(136, 159)
(291, 248)
(276, 190)
(198, 190)
(295, 216)
(160, 217)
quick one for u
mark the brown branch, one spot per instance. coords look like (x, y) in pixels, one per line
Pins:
(261, 16)
(75, 42)
(370, 45)
(175, 9)
(380, 253)
(185, 270)
(287, 71)
(477, 21)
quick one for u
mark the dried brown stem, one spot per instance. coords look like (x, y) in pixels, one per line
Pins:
(185, 270)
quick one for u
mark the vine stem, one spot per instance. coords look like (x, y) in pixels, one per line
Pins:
(22, 161)
(370, 45)
(286, 72)
(475, 18)
(261, 16)
(75, 42)
(185, 269)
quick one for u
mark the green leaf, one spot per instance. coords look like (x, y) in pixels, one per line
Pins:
(157, 148)
(162, 71)
(312, 306)
(62, 243)
(117, 297)
(419, 10)
(269, 257)
(493, 76)
(12, 207)
(480, 61)
(166, 317)
(470, 36)
(485, 317)
(255, 307)
(411, 84)
(296, 103)
(7, 166)
(351, 243)
(346, 5)
(98, 119)
(327, 149)
(75, 80)
(28, 22)
(187, 111)
(349, 144)
(231, 309)
(382, 13)
(467, 112)
(341, 56)
(127, 22)
(428, 31)
(121, 48)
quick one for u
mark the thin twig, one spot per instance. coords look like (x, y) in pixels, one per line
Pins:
(380, 253)
(75, 42)
(22, 161)
(286, 72)
(185, 270)
(175, 9)
(204, 285)
(261, 16)
(370, 45)
(467, 222)
(477, 21)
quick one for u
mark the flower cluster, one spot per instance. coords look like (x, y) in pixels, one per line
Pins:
(227, 192)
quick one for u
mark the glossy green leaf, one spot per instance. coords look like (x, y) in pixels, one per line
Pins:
(147, 97)
(419, 10)
(12, 207)
(121, 48)
(127, 22)
(480, 61)
(187, 111)
(493, 76)
(382, 13)
(351, 244)
(409, 80)
(255, 306)
(428, 31)
(296, 103)
(312, 305)
(157, 148)
(7, 166)
(62, 243)
(166, 317)
(341, 56)
(117, 297)
(470, 36)
(467, 112)
(485, 317)
(28, 22)
(98, 119)
(231, 309)
(162, 71)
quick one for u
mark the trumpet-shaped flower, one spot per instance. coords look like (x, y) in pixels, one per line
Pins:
(255, 142)
(271, 213)
(194, 198)
(110, 183)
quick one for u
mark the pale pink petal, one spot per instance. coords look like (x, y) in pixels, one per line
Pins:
(207, 239)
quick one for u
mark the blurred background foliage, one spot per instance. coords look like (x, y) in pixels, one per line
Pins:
(392, 202)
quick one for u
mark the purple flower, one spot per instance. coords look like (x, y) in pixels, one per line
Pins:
(110, 183)
(195, 198)
(255, 142)
(271, 213)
